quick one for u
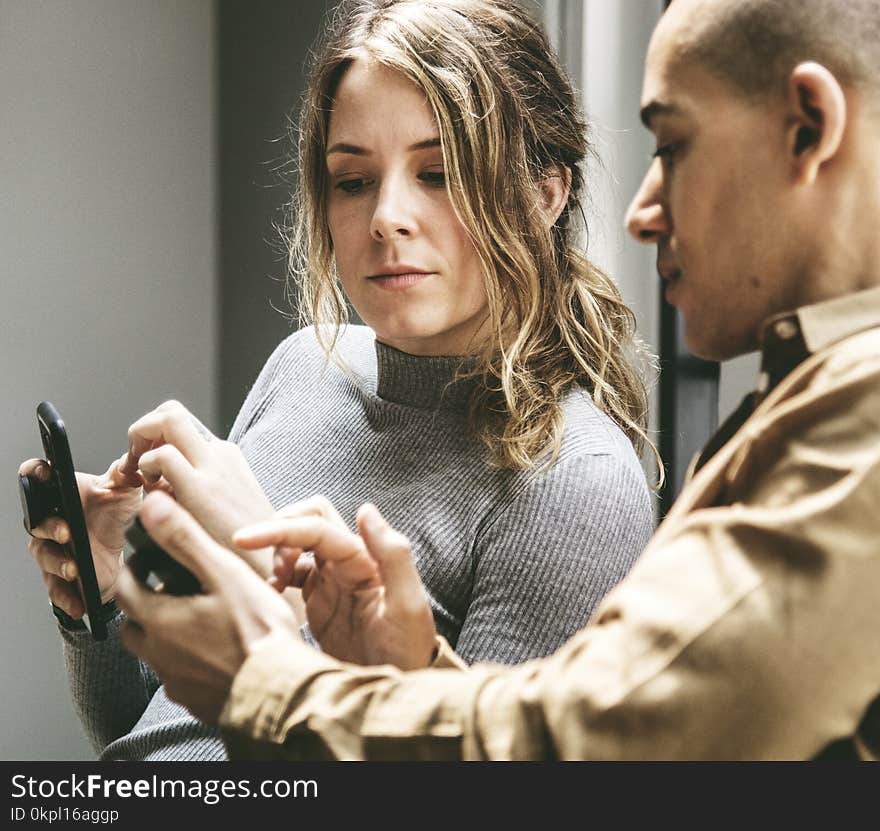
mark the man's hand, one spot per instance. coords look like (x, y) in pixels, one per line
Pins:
(197, 644)
(364, 600)
(109, 503)
(174, 452)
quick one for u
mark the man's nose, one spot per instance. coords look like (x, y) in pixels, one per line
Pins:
(646, 218)
(393, 216)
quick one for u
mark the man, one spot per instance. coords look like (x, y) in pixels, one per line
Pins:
(748, 627)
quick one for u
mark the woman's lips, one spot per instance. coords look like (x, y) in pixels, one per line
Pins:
(397, 282)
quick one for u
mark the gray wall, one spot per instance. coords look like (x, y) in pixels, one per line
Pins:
(263, 46)
(107, 276)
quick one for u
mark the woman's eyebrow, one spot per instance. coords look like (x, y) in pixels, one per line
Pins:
(425, 144)
(355, 150)
(351, 149)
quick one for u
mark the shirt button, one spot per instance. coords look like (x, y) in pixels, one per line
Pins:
(785, 329)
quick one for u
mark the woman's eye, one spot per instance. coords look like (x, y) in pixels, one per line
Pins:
(434, 177)
(352, 186)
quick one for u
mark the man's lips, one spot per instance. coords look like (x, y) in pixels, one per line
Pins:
(668, 271)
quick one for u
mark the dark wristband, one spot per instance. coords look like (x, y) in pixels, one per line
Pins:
(108, 611)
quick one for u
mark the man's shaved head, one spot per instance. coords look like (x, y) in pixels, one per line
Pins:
(755, 44)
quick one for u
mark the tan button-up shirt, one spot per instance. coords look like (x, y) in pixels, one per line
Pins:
(748, 629)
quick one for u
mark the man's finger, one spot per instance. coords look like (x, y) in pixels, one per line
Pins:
(174, 529)
(133, 638)
(138, 603)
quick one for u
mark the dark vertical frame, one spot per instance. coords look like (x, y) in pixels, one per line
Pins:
(688, 403)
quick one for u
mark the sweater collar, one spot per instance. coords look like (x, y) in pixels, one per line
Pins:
(425, 381)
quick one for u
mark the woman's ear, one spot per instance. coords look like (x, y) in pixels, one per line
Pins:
(555, 186)
(817, 119)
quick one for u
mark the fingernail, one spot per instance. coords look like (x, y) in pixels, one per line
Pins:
(373, 520)
(68, 571)
(278, 561)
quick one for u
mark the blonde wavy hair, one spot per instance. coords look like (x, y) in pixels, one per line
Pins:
(507, 118)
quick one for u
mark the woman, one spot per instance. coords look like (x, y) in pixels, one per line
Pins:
(489, 409)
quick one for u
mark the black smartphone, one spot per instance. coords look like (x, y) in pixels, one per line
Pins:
(154, 567)
(60, 497)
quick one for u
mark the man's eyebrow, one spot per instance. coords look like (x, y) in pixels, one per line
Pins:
(354, 150)
(650, 111)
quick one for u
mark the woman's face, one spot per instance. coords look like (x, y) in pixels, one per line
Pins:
(404, 259)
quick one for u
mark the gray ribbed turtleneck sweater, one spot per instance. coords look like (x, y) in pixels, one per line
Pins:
(513, 562)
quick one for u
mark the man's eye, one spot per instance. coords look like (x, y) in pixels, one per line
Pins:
(434, 177)
(352, 186)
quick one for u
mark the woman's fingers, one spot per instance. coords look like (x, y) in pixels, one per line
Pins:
(328, 541)
(35, 468)
(392, 553)
(170, 423)
(284, 563)
(64, 595)
(313, 506)
(165, 462)
(54, 528)
(309, 533)
(59, 573)
(52, 558)
(121, 474)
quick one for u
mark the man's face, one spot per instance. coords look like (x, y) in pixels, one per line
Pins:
(714, 200)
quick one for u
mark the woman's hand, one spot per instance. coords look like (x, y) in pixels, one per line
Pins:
(174, 452)
(364, 600)
(109, 504)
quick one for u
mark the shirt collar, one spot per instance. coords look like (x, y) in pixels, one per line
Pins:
(791, 337)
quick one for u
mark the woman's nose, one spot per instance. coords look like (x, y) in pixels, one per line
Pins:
(393, 216)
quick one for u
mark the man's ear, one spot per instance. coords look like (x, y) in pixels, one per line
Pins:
(555, 186)
(817, 112)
